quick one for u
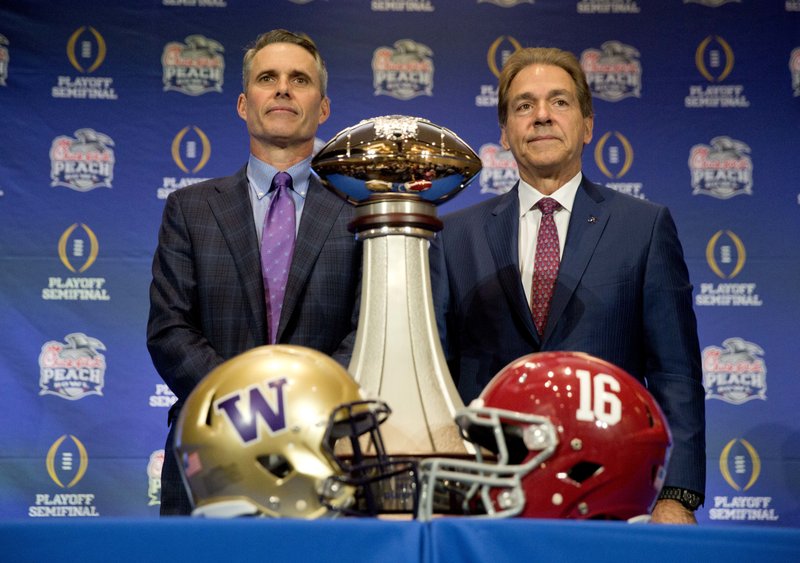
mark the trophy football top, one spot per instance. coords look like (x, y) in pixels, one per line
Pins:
(396, 154)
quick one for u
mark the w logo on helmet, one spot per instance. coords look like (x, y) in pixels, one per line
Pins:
(264, 402)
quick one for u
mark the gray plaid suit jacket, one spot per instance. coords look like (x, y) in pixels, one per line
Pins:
(207, 299)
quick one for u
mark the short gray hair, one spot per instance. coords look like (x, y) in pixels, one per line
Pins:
(284, 36)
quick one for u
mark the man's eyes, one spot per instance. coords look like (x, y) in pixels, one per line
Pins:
(300, 79)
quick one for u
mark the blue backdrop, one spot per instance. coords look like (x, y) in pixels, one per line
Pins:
(106, 108)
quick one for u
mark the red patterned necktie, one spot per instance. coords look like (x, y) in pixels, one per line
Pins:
(545, 266)
(277, 247)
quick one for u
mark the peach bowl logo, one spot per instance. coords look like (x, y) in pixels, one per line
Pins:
(722, 169)
(404, 71)
(4, 58)
(499, 172)
(72, 369)
(736, 372)
(154, 465)
(613, 71)
(194, 67)
(794, 68)
(82, 163)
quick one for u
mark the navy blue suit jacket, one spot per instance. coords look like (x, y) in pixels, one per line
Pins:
(207, 299)
(622, 294)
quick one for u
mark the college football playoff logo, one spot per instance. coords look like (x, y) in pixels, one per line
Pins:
(714, 63)
(719, 254)
(67, 461)
(740, 464)
(92, 58)
(78, 248)
(613, 151)
(184, 148)
(498, 53)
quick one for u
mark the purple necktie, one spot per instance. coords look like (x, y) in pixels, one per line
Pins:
(545, 265)
(277, 247)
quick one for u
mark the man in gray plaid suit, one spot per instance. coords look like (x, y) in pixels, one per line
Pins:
(207, 297)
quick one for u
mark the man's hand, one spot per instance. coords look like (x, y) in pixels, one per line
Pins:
(672, 512)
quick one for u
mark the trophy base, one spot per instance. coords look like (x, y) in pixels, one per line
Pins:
(393, 213)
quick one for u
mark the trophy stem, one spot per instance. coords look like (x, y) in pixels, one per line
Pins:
(398, 355)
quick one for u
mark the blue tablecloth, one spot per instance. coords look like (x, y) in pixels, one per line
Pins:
(367, 540)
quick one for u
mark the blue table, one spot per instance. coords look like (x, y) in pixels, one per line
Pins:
(366, 540)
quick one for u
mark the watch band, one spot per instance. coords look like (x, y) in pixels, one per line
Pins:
(687, 498)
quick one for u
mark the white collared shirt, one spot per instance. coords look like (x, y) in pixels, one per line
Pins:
(530, 218)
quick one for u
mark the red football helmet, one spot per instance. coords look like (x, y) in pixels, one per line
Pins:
(558, 435)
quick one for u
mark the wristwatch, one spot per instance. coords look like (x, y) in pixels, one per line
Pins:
(687, 498)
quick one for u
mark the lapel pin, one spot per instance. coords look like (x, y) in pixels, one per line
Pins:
(592, 219)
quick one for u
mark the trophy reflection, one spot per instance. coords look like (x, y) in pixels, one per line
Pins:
(395, 170)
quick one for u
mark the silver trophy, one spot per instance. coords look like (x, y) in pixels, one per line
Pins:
(396, 169)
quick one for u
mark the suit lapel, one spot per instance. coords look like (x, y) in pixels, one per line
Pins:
(234, 214)
(502, 235)
(587, 222)
(320, 211)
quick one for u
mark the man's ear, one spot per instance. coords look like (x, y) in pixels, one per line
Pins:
(503, 138)
(324, 110)
(241, 106)
(588, 127)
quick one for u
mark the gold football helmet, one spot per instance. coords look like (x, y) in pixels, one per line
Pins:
(257, 437)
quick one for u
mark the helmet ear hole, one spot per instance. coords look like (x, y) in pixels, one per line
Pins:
(276, 464)
(584, 470)
(210, 411)
(478, 434)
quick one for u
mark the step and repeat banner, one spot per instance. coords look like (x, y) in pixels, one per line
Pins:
(106, 108)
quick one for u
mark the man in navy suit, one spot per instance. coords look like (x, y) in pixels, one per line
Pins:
(207, 297)
(622, 290)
